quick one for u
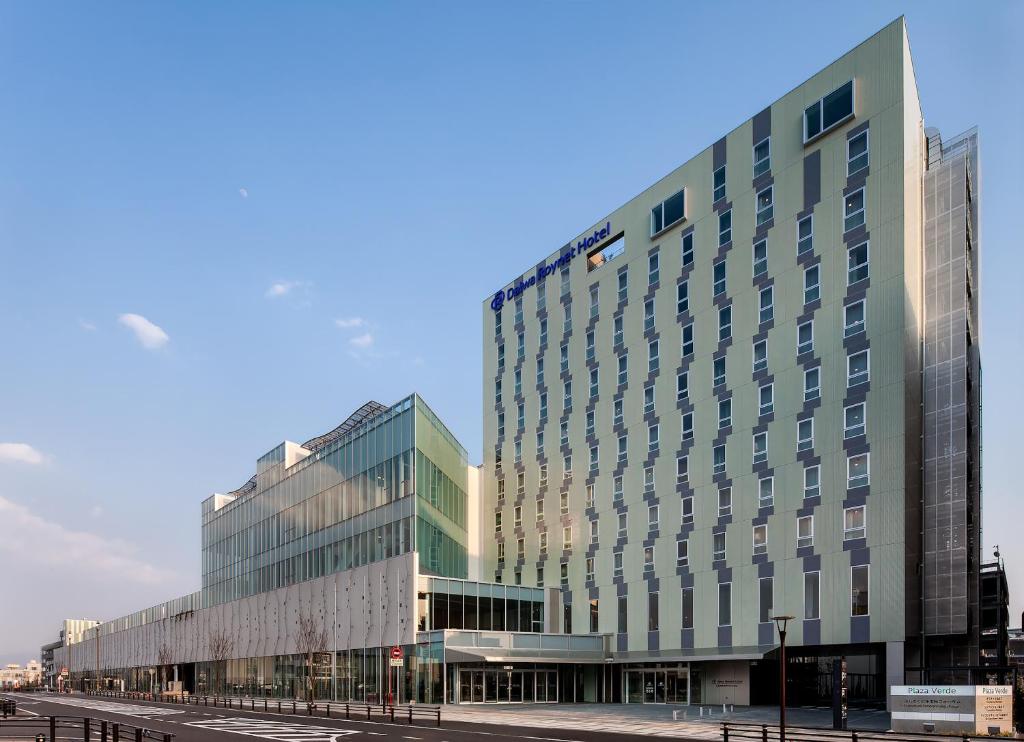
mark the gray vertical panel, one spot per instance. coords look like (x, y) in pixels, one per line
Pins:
(762, 124)
(718, 154)
(812, 179)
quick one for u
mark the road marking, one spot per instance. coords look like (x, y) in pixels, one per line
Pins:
(125, 709)
(275, 730)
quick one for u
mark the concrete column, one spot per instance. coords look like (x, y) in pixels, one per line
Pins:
(894, 668)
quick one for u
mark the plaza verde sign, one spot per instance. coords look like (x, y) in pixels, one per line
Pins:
(960, 709)
(582, 247)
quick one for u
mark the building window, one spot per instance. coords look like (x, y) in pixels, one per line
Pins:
(857, 153)
(760, 258)
(563, 579)
(567, 322)
(648, 559)
(812, 595)
(724, 413)
(497, 391)
(518, 515)
(766, 400)
(686, 510)
(652, 611)
(669, 212)
(543, 475)
(540, 577)
(812, 479)
(649, 479)
(718, 184)
(593, 531)
(567, 538)
(543, 405)
(649, 314)
(622, 376)
(718, 459)
(653, 437)
(853, 318)
(593, 458)
(501, 356)
(812, 384)
(718, 278)
(593, 616)
(687, 341)
(594, 376)
(540, 515)
(652, 517)
(859, 581)
(501, 489)
(725, 228)
(623, 284)
(497, 522)
(682, 469)
(519, 311)
(521, 346)
(520, 549)
(718, 546)
(766, 492)
(828, 112)
(563, 503)
(682, 297)
(805, 235)
(501, 552)
(501, 424)
(725, 604)
(653, 269)
(767, 305)
(687, 249)
(857, 471)
(622, 447)
(805, 337)
(617, 330)
(804, 531)
(766, 599)
(760, 355)
(682, 385)
(567, 396)
(563, 356)
(617, 412)
(725, 502)
(543, 542)
(687, 426)
(762, 156)
(857, 263)
(563, 430)
(812, 284)
(857, 368)
(594, 302)
(853, 421)
(589, 569)
(518, 381)
(682, 553)
(622, 622)
(805, 434)
(724, 323)
(565, 282)
(497, 324)
(567, 466)
(765, 206)
(648, 400)
(718, 372)
(623, 521)
(590, 495)
(853, 523)
(687, 607)
(760, 447)
(543, 331)
(542, 298)
(760, 534)
(590, 345)
(520, 415)
(652, 356)
(853, 210)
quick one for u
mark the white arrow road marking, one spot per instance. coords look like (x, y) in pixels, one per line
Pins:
(275, 730)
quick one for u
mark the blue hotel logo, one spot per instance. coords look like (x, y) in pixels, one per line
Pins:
(580, 248)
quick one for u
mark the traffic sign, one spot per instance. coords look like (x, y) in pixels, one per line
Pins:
(396, 653)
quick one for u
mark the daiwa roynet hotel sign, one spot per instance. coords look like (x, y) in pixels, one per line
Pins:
(582, 247)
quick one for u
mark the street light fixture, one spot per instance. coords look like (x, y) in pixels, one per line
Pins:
(780, 624)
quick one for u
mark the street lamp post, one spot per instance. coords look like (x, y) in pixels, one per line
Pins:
(780, 623)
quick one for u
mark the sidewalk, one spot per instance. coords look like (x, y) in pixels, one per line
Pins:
(651, 719)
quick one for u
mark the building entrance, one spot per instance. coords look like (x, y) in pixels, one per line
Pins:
(657, 686)
(508, 686)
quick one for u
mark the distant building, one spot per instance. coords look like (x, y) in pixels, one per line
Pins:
(15, 676)
(995, 616)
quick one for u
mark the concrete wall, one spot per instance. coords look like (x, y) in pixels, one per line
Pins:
(375, 607)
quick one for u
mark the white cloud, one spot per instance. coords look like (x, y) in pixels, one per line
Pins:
(20, 453)
(362, 341)
(243, 192)
(86, 325)
(284, 288)
(346, 323)
(150, 336)
(22, 531)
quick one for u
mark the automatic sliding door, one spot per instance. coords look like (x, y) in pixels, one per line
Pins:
(490, 686)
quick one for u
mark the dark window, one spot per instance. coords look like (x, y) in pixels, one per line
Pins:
(859, 590)
(725, 604)
(593, 616)
(623, 609)
(688, 608)
(652, 611)
(828, 112)
(766, 598)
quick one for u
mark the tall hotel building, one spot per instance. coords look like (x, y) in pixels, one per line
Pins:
(754, 390)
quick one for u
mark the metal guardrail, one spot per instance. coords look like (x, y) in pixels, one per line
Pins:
(8, 707)
(47, 727)
(409, 713)
(765, 733)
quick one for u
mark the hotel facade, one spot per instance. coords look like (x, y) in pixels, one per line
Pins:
(752, 390)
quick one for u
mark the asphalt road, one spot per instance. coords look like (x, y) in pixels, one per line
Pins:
(207, 724)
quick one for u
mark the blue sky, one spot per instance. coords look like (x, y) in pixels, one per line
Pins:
(227, 224)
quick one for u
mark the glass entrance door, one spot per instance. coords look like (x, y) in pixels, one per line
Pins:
(656, 686)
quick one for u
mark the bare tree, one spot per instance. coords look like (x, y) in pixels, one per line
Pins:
(220, 644)
(163, 658)
(310, 639)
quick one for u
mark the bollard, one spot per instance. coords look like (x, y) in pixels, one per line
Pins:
(168, 736)
(328, 711)
(367, 712)
(252, 704)
(439, 716)
(701, 712)
(138, 734)
(53, 729)
(410, 713)
(723, 709)
(392, 713)
(764, 733)
(725, 733)
(116, 731)
(346, 710)
(293, 707)
(854, 737)
(103, 730)
(85, 729)
(264, 705)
